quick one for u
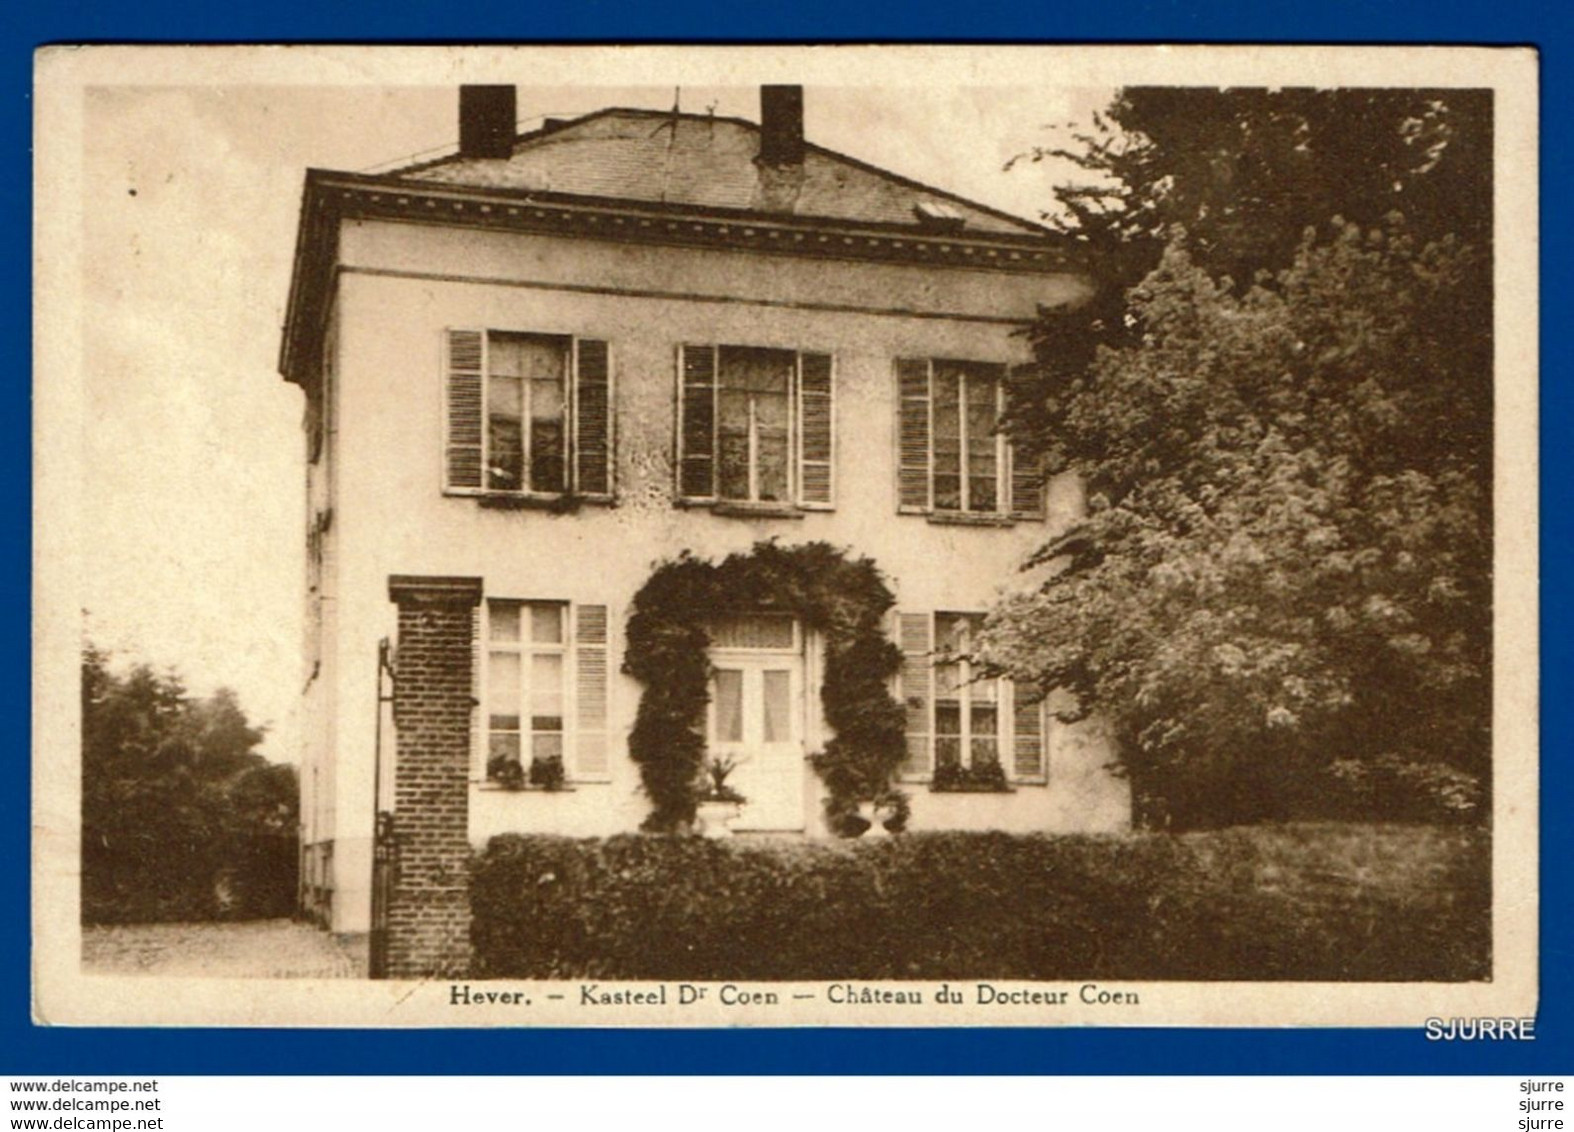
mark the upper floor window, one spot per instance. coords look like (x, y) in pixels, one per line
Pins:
(528, 414)
(755, 426)
(953, 459)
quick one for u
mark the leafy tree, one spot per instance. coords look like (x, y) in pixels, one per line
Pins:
(1284, 430)
(181, 817)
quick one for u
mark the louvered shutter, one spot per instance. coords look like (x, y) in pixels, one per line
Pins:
(915, 637)
(912, 461)
(465, 362)
(1029, 761)
(592, 417)
(697, 422)
(816, 432)
(590, 692)
(1027, 487)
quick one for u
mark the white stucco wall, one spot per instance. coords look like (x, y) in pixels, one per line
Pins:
(402, 285)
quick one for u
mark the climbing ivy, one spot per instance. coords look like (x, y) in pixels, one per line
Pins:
(843, 598)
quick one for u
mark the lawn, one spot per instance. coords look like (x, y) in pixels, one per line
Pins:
(1325, 901)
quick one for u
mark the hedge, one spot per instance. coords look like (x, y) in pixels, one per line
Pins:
(153, 879)
(1308, 902)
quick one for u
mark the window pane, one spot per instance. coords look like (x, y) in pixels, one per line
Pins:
(981, 431)
(546, 398)
(732, 411)
(502, 752)
(772, 474)
(952, 633)
(981, 393)
(948, 751)
(541, 356)
(774, 375)
(771, 410)
(947, 440)
(948, 717)
(729, 705)
(546, 624)
(751, 631)
(948, 681)
(756, 370)
(981, 493)
(546, 685)
(502, 691)
(502, 355)
(733, 474)
(546, 746)
(505, 452)
(778, 725)
(985, 750)
(948, 387)
(504, 620)
(546, 436)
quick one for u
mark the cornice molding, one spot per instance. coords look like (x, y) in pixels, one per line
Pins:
(332, 197)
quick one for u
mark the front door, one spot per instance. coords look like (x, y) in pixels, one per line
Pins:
(755, 721)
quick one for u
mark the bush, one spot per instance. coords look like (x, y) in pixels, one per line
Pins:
(155, 878)
(1315, 902)
(1407, 791)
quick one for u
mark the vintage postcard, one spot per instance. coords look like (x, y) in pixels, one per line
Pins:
(874, 536)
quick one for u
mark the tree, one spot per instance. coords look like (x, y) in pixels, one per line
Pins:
(1284, 575)
(178, 808)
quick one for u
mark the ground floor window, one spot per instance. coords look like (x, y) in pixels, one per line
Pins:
(967, 705)
(544, 696)
(964, 727)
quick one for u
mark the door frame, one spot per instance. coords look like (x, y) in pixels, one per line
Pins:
(760, 660)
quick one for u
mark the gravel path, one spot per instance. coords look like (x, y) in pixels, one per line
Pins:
(270, 949)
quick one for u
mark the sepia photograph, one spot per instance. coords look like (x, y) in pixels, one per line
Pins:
(832, 536)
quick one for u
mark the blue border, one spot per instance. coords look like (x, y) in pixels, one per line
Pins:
(28, 1049)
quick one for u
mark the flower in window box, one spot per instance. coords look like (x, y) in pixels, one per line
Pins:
(506, 772)
(981, 776)
(546, 773)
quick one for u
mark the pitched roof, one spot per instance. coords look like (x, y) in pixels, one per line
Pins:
(703, 161)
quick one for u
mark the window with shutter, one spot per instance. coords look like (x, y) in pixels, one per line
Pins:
(958, 718)
(756, 426)
(543, 691)
(952, 457)
(528, 415)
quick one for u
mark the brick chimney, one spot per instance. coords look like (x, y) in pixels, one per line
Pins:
(486, 121)
(781, 125)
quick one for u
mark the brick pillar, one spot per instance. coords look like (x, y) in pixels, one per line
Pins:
(429, 907)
